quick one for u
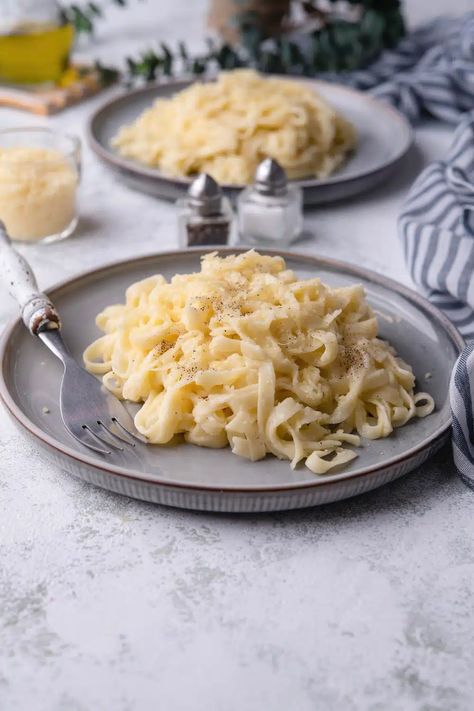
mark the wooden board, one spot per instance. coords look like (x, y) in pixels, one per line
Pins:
(78, 83)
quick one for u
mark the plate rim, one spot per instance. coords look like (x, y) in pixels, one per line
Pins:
(63, 450)
(138, 171)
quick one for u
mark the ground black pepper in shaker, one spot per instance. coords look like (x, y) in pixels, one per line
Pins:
(204, 215)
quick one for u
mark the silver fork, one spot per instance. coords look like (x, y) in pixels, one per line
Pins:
(89, 412)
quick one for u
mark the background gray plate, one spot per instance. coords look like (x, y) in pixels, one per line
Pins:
(384, 136)
(193, 477)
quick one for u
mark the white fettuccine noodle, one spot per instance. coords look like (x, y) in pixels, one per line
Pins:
(227, 127)
(243, 353)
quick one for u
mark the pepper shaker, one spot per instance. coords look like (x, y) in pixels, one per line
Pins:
(204, 215)
(270, 210)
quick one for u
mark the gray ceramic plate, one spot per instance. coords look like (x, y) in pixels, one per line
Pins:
(384, 138)
(216, 480)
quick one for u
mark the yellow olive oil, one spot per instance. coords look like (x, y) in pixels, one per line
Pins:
(35, 53)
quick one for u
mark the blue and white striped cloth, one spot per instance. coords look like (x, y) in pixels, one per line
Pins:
(436, 227)
(437, 230)
(432, 72)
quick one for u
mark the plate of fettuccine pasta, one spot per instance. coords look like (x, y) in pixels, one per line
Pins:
(259, 381)
(332, 140)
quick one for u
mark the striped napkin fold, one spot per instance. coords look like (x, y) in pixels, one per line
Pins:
(436, 226)
(430, 71)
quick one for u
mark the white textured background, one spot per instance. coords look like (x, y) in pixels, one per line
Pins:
(110, 604)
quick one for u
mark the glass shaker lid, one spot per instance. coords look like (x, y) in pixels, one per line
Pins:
(205, 195)
(270, 178)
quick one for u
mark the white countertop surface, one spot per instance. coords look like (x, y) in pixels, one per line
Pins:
(110, 604)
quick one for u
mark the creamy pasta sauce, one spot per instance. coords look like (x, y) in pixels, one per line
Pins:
(243, 353)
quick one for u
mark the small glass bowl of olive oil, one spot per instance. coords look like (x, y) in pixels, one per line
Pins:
(35, 42)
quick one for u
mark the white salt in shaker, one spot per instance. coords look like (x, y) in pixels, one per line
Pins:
(270, 210)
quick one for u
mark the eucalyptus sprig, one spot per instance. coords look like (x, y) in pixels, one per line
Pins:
(337, 45)
(106, 75)
(83, 16)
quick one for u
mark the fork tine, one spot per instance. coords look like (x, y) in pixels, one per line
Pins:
(114, 435)
(124, 429)
(99, 450)
(94, 434)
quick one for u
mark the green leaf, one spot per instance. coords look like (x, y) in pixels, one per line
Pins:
(94, 9)
(82, 17)
(269, 63)
(107, 75)
(227, 58)
(395, 28)
(251, 38)
(132, 65)
(198, 66)
(183, 53)
(290, 54)
(81, 21)
(167, 60)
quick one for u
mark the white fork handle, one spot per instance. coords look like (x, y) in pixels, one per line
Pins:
(37, 311)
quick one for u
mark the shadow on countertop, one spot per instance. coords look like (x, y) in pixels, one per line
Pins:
(413, 494)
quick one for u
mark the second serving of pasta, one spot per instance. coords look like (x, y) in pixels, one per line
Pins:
(243, 353)
(225, 128)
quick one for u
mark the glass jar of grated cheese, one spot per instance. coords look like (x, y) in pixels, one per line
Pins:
(39, 175)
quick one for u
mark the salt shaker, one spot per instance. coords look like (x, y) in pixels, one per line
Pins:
(270, 210)
(204, 215)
